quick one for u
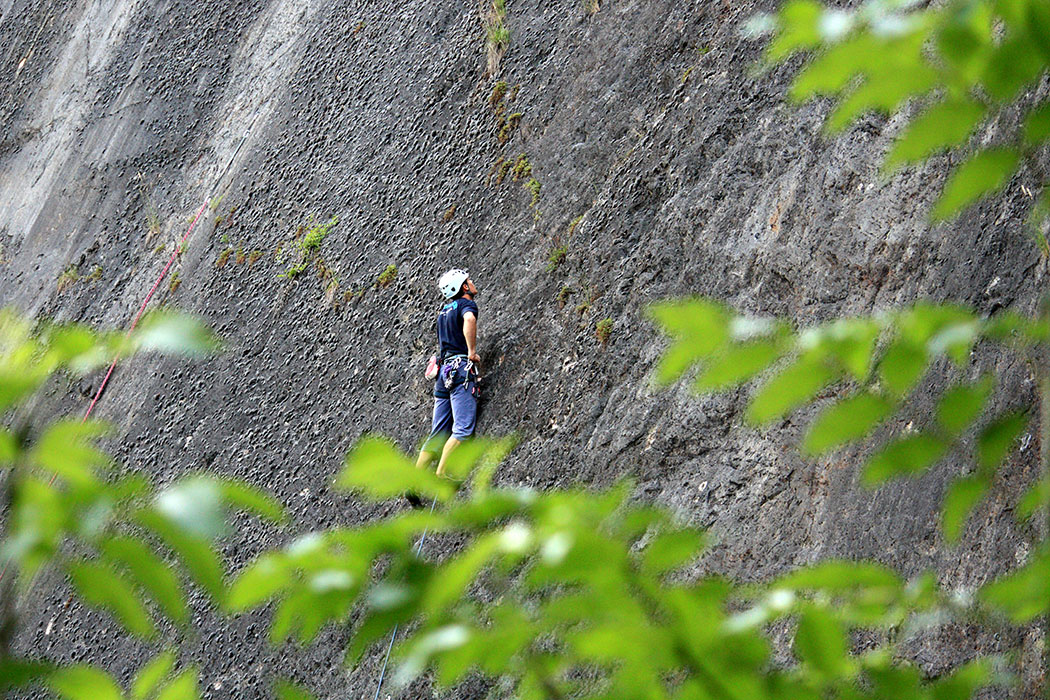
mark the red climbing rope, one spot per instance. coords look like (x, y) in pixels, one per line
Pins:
(135, 322)
(142, 310)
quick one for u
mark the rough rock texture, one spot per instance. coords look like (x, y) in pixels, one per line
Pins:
(691, 174)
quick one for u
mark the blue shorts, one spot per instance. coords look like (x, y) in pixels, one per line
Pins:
(455, 409)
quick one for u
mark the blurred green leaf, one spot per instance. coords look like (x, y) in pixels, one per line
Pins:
(183, 687)
(244, 496)
(846, 421)
(906, 456)
(1037, 124)
(965, 39)
(700, 328)
(832, 70)
(839, 575)
(462, 460)
(821, 643)
(84, 683)
(149, 678)
(259, 581)
(738, 364)
(882, 93)
(963, 682)
(16, 673)
(672, 550)
(66, 449)
(798, 28)
(490, 461)
(791, 388)
(286, 690)
(428, 645)
(902, 366)
(1039, 28)
(151, 573)
(1034, 498)
(942, 126)
(898, 682)
(982, 174)
(998, 437)
(962, 496)
(960, 406)
(175, 334)
(1012, 64)
(955, 341)
(104, 587)
(194, 505)
(8, 446)
(851, 341)
(458, 573)
(376, 469)
(195, 553)
(936, 325)
(1025, 593)
(40, 516)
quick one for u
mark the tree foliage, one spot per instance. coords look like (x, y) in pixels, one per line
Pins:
(960, 70)
(566, 593)
(595, 594)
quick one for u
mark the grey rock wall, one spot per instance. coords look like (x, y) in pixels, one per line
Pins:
(691, 174)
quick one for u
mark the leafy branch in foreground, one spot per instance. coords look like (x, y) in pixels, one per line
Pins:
(964, 63)
(878, 362)
(65, 507)
(585, 594)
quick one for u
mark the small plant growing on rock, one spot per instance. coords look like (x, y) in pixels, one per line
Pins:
(306, 247)
(508, 127)
(504, 168)
(533, 186)
(563, 296)
(522, 167)
(176, 280)
(556, 257)
(224, 257)
(254, 256)
(583, 307)
(603, 330)
(315, 234)
(449, 213)
(497, 36)
(572, 226)
(96, 274)
(241, 256)
(68, 278)
(498, 91)
(387, 276)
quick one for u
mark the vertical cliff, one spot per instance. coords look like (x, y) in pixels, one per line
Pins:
(615, 157)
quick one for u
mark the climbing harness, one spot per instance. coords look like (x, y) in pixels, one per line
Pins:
(450, 373)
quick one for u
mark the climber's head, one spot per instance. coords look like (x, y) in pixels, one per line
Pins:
(456, 283)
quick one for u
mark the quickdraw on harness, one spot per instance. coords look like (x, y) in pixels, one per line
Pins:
(450, 370)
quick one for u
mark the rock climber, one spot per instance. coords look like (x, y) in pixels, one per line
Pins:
(455, 371)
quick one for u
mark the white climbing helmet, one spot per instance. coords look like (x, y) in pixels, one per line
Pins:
(452, 281)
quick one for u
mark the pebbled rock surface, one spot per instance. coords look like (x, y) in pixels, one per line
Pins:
(691, 175)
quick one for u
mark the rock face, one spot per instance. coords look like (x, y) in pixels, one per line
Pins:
(632, 143)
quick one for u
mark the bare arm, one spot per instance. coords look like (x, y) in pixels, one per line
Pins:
(470, 332)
